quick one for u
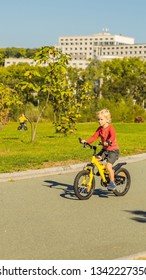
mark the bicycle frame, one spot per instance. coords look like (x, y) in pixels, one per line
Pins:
(100, 167)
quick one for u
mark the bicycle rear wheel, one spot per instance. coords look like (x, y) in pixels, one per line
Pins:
(122, 182)
(81, 185)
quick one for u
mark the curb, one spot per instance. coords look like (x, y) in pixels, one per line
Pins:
(39, 172)
(60, 169)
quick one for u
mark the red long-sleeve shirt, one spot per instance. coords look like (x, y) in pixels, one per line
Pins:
(107, 133)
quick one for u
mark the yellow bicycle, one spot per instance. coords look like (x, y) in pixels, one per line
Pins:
(84, 182)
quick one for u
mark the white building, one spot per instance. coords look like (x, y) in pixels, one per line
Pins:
(15, 61)
(101, 46)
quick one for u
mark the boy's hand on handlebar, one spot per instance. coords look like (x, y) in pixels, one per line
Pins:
(83, 141)
(107, 143)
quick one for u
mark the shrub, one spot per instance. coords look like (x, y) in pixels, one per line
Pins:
(139, 119)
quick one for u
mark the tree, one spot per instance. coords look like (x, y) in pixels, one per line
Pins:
(124, 78)
(53, 82)
(8, 97)
(120, 82)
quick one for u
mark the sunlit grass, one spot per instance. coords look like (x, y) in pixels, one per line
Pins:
(49, 148)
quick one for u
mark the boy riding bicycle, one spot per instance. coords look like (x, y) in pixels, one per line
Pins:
(110, 148)
(22, 119)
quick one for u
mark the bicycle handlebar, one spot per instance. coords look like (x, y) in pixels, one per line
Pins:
(87, 144)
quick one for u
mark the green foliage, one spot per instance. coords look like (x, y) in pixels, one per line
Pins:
(119, 83)
(72, 94)
(16, 53)
(8, 97)
(32, 112)
(65, 94)
(124, 78)
(126, 111)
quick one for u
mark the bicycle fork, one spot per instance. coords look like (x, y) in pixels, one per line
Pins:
(91, 175)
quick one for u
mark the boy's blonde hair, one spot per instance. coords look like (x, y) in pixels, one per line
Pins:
(106, 113)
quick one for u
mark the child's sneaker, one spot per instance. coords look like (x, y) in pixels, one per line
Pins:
(111, 186)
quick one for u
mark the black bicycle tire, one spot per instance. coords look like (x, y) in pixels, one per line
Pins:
(127, 187)
(76, 188)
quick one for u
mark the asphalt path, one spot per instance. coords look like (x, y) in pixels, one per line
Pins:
(41, 219)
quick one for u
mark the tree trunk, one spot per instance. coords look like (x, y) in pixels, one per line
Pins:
(39, 117)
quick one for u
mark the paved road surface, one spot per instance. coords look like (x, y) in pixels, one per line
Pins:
(40, 218)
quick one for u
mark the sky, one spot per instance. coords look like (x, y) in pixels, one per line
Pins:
(37, 23)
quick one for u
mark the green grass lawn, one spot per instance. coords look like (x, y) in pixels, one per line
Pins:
(50, 149)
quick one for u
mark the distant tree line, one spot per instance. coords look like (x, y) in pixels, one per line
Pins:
(15, 53)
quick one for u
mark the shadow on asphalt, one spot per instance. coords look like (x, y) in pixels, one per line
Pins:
(140, 215)
(103, 193)
(68, 191)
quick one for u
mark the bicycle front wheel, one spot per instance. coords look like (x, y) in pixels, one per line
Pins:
(122, 181)
(81, 187)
